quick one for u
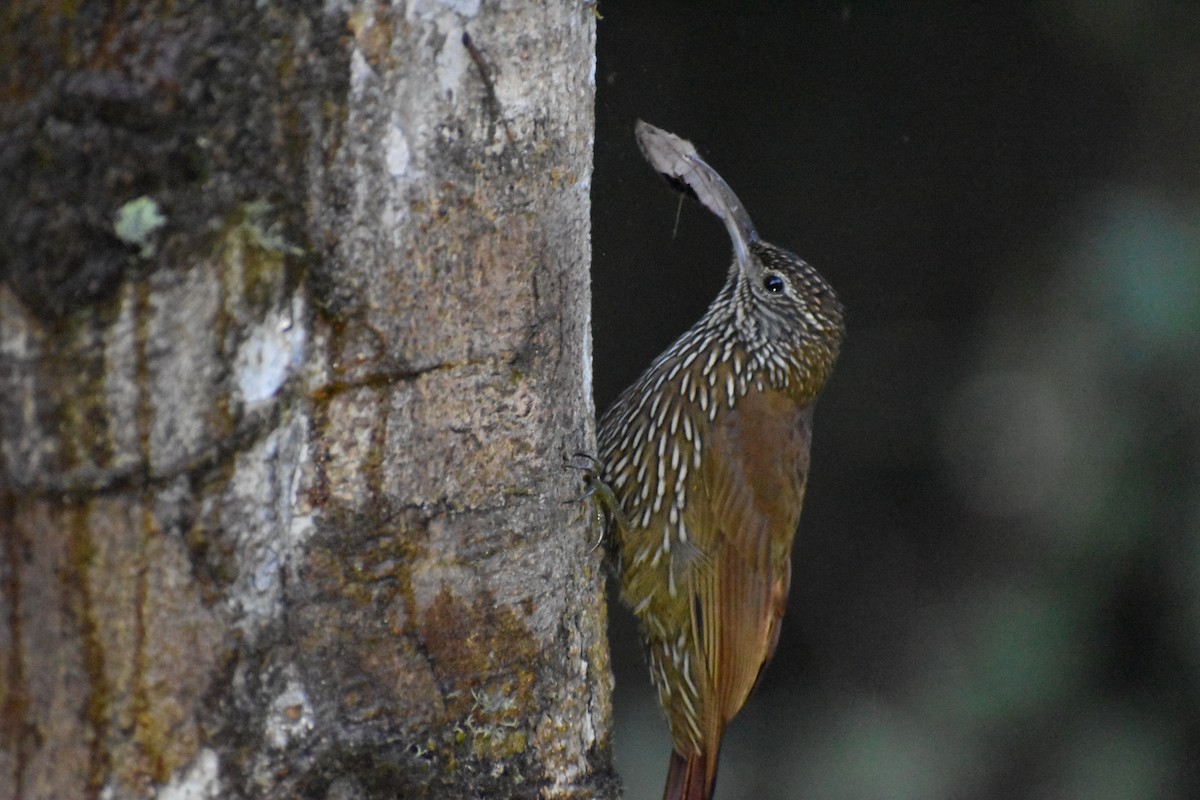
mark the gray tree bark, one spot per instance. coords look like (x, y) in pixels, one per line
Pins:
(293, 340)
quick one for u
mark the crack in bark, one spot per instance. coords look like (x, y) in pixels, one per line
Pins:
(380, 379)
(92, 482)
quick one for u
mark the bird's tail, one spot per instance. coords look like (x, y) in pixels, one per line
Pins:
(688, 777)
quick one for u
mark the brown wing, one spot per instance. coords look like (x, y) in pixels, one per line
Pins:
(751, 502)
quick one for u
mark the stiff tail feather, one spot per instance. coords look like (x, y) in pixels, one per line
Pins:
(687, 778)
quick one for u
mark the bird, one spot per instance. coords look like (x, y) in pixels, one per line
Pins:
(704, 460)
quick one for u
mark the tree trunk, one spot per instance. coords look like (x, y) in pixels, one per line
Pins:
(293, 341)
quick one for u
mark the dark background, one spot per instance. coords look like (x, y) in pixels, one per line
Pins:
(997, 578)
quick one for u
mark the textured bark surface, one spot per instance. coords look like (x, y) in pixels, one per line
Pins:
(293, 339)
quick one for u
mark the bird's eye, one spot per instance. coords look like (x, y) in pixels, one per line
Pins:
(773, 284)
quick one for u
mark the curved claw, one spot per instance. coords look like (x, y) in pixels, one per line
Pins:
(596, 464)
(608, 511)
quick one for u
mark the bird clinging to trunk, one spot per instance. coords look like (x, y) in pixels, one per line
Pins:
(706, 457)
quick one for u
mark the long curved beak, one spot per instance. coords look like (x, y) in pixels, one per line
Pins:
(676, 160)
